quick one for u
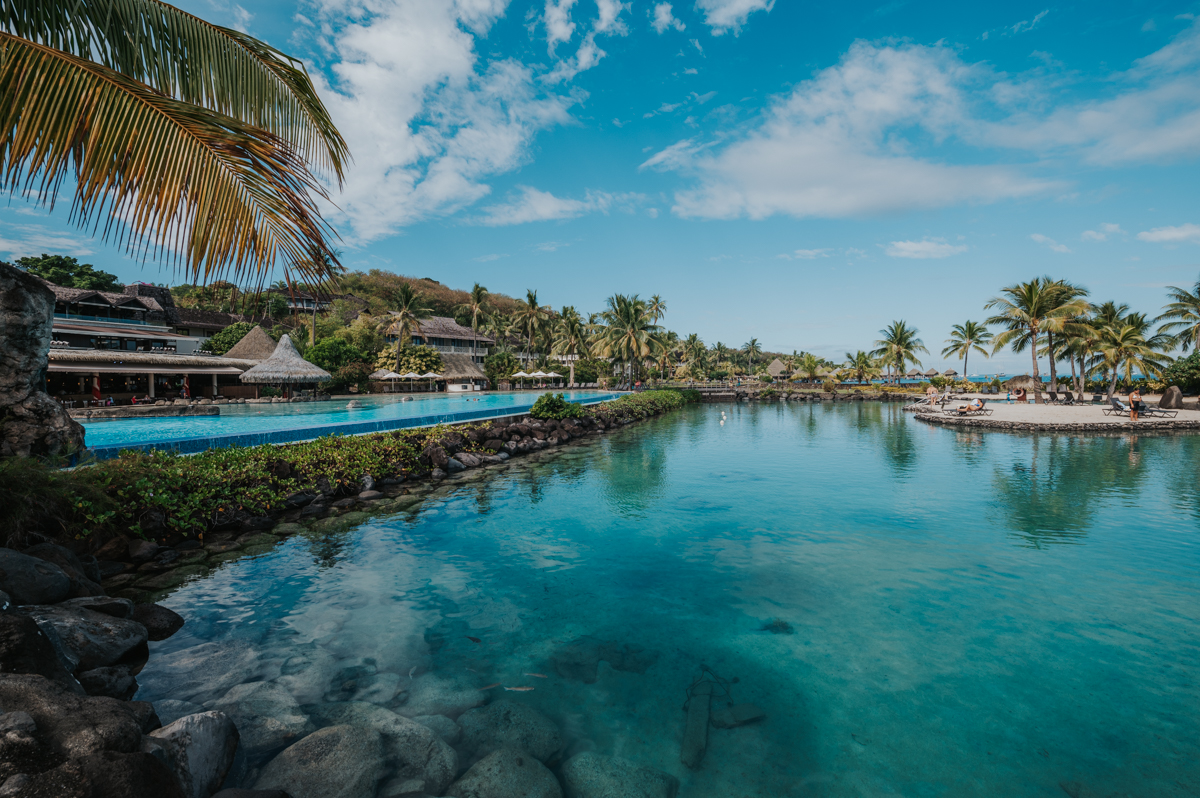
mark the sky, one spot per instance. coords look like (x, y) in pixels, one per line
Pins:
(800, 173)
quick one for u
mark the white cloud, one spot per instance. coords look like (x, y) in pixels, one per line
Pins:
(1180, 234)
(806, 254)
(691, 71)
(426, 122)
(834, 146)
(1103, 233)
(31, 240)
(608, 22)
(1050, 242)
(1028, 24)
(730, 15)
(921, 250)
(528, 204)
(550, 246)
(559, 27)
(663, 18)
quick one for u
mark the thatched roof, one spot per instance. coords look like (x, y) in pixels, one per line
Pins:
(460, 367)
(255, 345)
(950, 373)
(285, 366)
(1023, 381)
(931, 373)
(913, 373)
(776, 368)
(135, 360)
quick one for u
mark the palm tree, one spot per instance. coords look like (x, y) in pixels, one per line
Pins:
(657, 307)
(571, 338)
(899, 346)
(474, 308)
(529, 320)
(629, 334)
(1071, 296)
(1183, 314)
(965, 337)
(720, 352)
(1028, 309)
(752, 348)
(183, 138)
(1124, 348)
(862, 366)
(409, 309)
(810, 366)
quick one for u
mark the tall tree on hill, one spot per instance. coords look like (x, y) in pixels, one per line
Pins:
(1027, 310)
(409, 308)
(1182, 315)
(965, 337)
(571, 338)
(530, 318)
(475, 308)
(184, 139)
(899, 346)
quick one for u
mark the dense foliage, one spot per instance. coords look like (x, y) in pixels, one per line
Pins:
(332, 354)
(1184, 373)
(221, 342)
(414, 359)
(500, 366)
(555, 406)
(70, 273)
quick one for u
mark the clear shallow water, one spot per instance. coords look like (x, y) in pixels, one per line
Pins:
(236, 419)
(972, 614)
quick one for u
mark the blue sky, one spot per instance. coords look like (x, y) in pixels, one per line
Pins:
(800, 173)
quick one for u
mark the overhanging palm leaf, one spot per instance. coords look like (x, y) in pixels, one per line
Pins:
(196, 62)
(201, 187)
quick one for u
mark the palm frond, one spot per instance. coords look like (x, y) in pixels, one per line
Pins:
(161, 176)
(185, 57)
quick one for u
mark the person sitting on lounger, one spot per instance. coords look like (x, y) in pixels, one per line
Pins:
(972, 406)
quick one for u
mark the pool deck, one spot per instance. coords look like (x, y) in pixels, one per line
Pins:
(142, 411)
(1056, 418)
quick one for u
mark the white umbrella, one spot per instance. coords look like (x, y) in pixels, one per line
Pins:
(429, 375)
(521, 374)
(410, 376)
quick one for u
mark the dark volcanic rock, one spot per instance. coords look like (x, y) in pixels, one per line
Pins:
(434, 456)
(84, 580)
(24, 648)
(34, 423)
(114, 681)
(116, 607)
(29, 580)
(1172, 399)
(93, 639)
(159, 621)
(108, 773)
(72, 725)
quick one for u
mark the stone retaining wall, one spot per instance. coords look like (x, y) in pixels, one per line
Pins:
(1120, 427)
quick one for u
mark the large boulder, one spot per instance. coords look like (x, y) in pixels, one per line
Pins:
(507, 724)
(417, 755)
(507, 773)
(29, 580)
(72, 725)
(430, 694)
(94, 639)
(335, 762)
(159, 621)
(201, 748)
(434, 456)
(33, 422)
(267, 716)
(1172, 399)
(114, 681)
(84, 579)
(592, 775)
(25, 648)
(107, 773)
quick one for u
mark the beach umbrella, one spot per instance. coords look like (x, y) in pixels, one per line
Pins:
(410, 376)
(429, 375)
(521, 374)
(380, 374)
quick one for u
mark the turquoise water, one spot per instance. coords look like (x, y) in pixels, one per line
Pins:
(238, 419)
(971, 614)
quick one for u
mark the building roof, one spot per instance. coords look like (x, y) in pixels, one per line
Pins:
(75, 295)
(776, 368)
(445, 327)
(461, 367)
(141, 362)
(255, 345)
(285, 366)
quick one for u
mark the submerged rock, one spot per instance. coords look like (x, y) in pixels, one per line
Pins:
(201, 748)
(207, 671)
(169, 710)
(267, 716)
(335, 762)
(579, 658)
(430, 694)
(442, 726)
(508, 724)
(591, 775)
(415, 752)
(506, 773)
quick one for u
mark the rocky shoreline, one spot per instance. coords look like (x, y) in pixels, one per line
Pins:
(70, 654)
(1116, 428)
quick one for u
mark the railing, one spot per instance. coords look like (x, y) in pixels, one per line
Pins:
(461, 350)
(108, 319)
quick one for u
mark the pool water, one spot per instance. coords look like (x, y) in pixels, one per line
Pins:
(265, 418)
(919, 611)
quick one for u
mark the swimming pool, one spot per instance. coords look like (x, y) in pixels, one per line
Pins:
(248, 425)
(920, 611)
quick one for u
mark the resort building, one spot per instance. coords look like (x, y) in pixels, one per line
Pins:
(137, 343)
(448, 337)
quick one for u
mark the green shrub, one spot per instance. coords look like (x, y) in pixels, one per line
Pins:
(1184, 373)
(500, 366)
(223, 341)
(333, 354)
(269, 392)
(555, 406)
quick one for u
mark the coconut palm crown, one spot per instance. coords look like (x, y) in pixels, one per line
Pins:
(970, 335)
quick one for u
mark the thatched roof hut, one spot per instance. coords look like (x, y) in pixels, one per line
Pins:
(460, 368)
(1023, 381)
(285, 367)
(949, 373)
(777, 368)
(931, 373)
(913, 373)
(125, 362)
(255, 345)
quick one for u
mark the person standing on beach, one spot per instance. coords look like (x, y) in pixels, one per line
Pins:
(1135, 399)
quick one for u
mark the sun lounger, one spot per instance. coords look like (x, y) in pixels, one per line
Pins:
(983, 410)
(1160, 412)
(1115, 408)
(1068, 398)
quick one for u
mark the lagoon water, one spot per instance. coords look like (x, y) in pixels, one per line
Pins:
(967, 614)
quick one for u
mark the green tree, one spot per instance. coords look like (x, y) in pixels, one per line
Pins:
(475, 308)
(629, 334)
(332, 354)
(224, 340)
(571, 339)
(167, 123)
(70, 273)
(1027, 310)
(500, 364)
(752, 348)
(408, 308)
(899, 346)
(861, 366)
(1124, 350)
(529, 320)
(413, 359)
(1184, 373)
(809, 366)
(965, 337)
(1182, 315)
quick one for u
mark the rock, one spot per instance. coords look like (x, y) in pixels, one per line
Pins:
(138, 775)
(434, 456)
(414, 751)
(29, 580)
(169, 710)
(6, 602)
(141, 551)
(71, 725)
(437, 473)
(736, 715)
(507, 724)
(442, 726)
(454, 466)
(506, 773)
(205, 672)
(368, 482)
(234, 792)
(1172, 399)
(222, 546)
(159, 621)
(267, 716)
(579, 658)
(114, 681)
(335, 762)
(368, 495)
(25, 648)
(34, 423)
(82, 583)
(201, 748)
(430, 694)
(94, 639)
(591, 775)
(494, 444)
(145, 714)
(116, 607)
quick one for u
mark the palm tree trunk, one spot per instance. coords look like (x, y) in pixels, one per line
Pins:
(966, 354)
(1037, 378)
(1074, 379)
(1112, 385)
(1050, 350)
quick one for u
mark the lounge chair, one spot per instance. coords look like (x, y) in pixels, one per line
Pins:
(983, 410)
(1097, 398)
(1115, 408)
(1053, 397)
(1160, 412)
(1068, 398)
